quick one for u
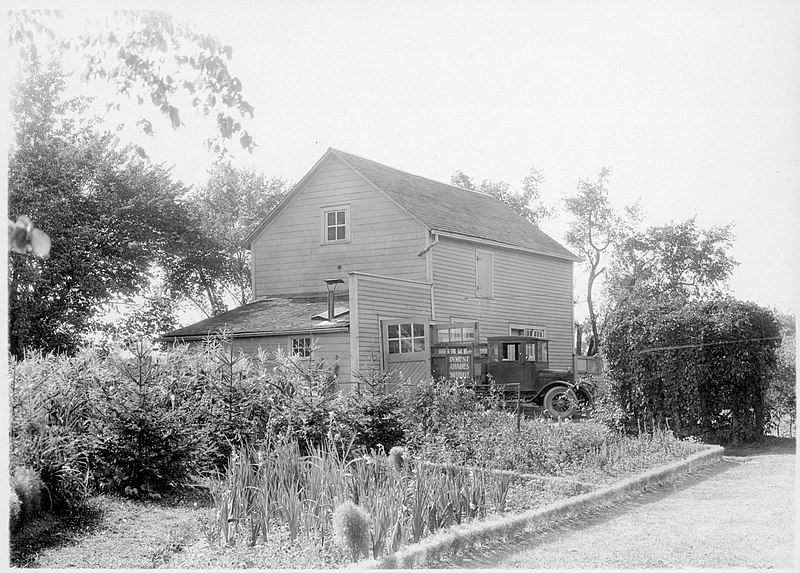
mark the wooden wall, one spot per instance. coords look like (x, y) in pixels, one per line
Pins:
(333, 348)
(376, 299)
(289, 257)
(529, 289)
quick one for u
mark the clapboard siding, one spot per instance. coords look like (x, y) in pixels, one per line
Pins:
(528, 289)
(289, 256)
(333, 348)
(380, 298)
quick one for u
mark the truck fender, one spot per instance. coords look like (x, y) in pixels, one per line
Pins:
(584, 393)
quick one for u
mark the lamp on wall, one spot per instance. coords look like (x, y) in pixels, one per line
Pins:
(330, 284)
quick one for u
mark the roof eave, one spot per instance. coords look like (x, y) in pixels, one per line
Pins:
(471, 238)
(257, 333)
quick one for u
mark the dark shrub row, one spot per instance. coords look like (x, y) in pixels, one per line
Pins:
(141, 421)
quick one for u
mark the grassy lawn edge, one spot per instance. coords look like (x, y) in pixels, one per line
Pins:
(453, 539)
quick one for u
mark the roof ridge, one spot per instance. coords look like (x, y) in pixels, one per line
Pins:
(337, 151)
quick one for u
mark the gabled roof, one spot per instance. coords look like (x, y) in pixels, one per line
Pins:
(441, 207)
(271, 317)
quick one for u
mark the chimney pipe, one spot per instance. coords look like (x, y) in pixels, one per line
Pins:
(331, 286)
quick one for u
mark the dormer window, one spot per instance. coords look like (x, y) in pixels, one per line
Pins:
(336, 224)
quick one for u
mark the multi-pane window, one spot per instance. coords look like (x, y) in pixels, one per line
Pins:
(456, 334)
(301, 346)
(406, 338)
(335, 224)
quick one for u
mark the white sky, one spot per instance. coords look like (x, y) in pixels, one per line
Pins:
(695, 105)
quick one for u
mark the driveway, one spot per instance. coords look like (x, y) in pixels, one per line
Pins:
(736, 513)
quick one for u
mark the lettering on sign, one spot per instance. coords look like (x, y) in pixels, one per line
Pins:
(459, 366)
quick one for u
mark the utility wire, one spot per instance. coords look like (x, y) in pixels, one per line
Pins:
(706, 344)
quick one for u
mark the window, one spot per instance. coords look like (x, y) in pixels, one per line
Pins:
(484, 274)
(406, 338)
(300, 346)
(455, 334)
(336, 224)
(537, 331)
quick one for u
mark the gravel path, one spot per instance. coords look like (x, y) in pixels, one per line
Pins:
(736, 513)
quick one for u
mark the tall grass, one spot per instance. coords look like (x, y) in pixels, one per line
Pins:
(279, 487)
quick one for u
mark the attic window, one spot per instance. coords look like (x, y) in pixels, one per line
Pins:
(336, 224)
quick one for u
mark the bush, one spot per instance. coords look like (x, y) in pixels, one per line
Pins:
(351, 529)
(700, 368)
(14, 511)
(438, 409)
(28, 487)
(49, 426)
(145, 445)
(370, 415)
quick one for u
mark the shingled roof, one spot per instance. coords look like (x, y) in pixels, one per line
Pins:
(450, 209)
(271, 316)
(441, 207)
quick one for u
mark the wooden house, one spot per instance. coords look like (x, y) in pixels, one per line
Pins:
(417, 268)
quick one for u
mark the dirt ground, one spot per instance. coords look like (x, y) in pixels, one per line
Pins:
(738, 513)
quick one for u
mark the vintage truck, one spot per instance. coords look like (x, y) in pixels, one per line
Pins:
(515, 365)
(523, 361)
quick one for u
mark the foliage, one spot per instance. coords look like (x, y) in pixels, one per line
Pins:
(49, 426)
(109, 216)
(28, 488)
(351, 528)
(700, 367)
(595, 228)
(370, 415)
(527, 203)
(144, 444)
(437, 410)
(14, 511)
(150, 56)
(782, 390)
(673, 260)
(225, 209)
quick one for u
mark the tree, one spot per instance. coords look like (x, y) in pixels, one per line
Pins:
(672, 260)
(149, 56)
(109, 215)
(527, 203)
(226, 209)
(782, 390)
(595, 228)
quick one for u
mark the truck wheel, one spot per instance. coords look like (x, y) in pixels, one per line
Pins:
(560, 402)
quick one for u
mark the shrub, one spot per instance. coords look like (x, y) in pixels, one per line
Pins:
(351, 528)
(28, 486)
(49, 426)
(438, 408)
(145, 445)
(370, 414)
(14, 511)
(700, 368)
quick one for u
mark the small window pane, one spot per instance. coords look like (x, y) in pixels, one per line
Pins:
(405, 345)
(392, 330)
(444, 335)
(332, 233)
(340, 231)
(419, 330)
(405, 330)
(469, 333)
(419, 345)
(331, 218)
(394, 347)
(340, 217)
(455, 335)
